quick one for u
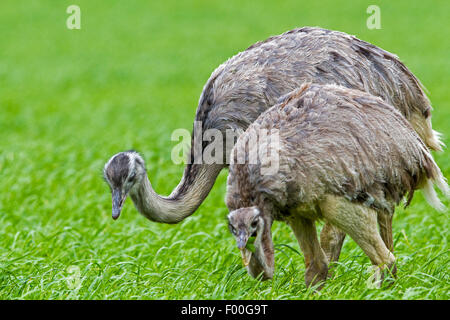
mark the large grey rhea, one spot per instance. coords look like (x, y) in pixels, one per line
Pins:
(249, 83)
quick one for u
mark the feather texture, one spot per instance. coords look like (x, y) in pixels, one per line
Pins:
(333, 141)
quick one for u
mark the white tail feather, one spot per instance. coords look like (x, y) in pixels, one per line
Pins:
(437, 137)
(430, 194)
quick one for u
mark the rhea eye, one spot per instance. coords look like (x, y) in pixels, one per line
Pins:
(254, 223)
(232, 229)
(133, 175)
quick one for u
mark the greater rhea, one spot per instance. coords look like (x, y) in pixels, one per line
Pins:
(246, 85)
(344, 156)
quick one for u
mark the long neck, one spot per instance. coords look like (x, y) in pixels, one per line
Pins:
(197, 181)
(262, 261)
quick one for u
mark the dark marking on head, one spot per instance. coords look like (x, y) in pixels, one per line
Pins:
(118, 169)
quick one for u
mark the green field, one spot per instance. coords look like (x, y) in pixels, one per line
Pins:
(69, 99)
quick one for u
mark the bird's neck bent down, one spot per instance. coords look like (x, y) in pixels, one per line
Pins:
(263, 259)
(197, 181)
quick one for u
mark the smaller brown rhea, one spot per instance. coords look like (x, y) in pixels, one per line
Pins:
(333, 159)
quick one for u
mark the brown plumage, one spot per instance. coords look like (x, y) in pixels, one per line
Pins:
(338, 149)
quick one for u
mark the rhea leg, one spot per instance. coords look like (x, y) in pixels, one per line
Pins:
(360, 223)
(385, 223)
(331, 240)
(315, 259)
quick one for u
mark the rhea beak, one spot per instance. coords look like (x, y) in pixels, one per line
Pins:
(242, 243)
(117, 202)
(246, 256)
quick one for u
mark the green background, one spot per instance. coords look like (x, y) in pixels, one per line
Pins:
(69, 99)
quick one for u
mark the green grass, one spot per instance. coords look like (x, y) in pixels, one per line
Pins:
(69, 99)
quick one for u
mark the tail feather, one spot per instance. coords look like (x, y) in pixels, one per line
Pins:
(434, 141)
(432, 198)
(429, 192)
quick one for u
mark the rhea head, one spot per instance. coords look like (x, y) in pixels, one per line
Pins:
(245, 223)
(123, 172)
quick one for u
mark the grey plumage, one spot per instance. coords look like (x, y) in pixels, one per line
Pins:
(247, 84)
(338, 147)
(252, 81)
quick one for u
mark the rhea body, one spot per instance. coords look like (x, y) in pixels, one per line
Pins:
(246, 85)
(345, 157)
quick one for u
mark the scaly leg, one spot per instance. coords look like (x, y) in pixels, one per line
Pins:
(360, 223)
(331, 240)
(315, 259)
(385, 223)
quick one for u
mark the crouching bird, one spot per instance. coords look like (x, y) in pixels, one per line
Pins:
(335, 154)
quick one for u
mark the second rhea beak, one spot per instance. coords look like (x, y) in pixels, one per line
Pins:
(242, 244)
